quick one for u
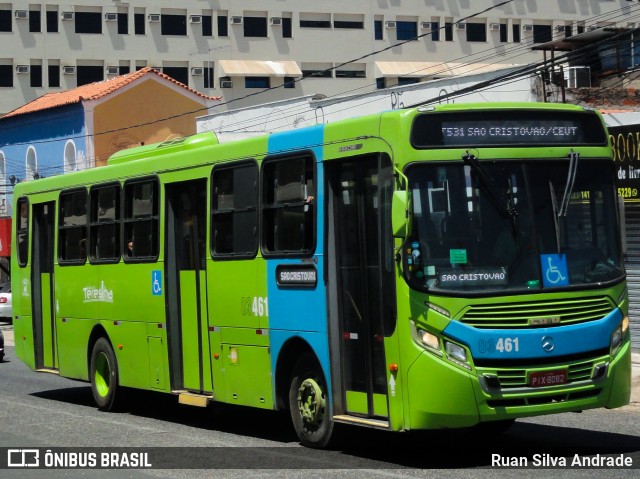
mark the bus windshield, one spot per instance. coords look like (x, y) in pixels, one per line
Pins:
(481, 227)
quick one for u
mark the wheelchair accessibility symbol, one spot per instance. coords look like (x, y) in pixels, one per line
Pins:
(156, 283)
(554, 270)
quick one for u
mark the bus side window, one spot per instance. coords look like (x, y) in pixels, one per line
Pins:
(22, 231)
(72, 236)
(288, 206)
(140, 217)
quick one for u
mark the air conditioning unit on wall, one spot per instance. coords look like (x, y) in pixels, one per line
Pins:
(21, 14)
(113, 70)
(276, 21)
(111, 17)
(494, 27)
(69, 70)
(236, 20)
(461, 26)
(66, 16)
(195, 19)
(390, 24)
(153, 18)
(226, 84)
(22, 69)
(197, 71)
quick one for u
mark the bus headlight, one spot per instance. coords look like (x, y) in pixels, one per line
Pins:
(618, 335)
(429, 340)
(456, 353)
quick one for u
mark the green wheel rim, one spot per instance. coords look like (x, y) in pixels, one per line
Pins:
(311, 403)
(103, 374)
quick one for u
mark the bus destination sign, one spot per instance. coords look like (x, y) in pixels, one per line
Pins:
(480, 132)
(505, 128)
(296, 275)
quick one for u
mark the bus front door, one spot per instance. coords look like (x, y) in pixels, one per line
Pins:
(187, 286)
(363, 304)
(44, 326)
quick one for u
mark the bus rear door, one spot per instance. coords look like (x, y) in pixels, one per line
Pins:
(44, 327)
(187, 286)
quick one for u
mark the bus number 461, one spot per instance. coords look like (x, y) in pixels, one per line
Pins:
(254, 306)
(502, 345)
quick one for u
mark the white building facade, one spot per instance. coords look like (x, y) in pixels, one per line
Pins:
(237, 49)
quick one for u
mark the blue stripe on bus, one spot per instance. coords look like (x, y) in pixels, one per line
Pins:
(301, 312)
(566, 340)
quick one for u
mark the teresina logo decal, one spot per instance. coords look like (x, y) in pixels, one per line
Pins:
(97, 295)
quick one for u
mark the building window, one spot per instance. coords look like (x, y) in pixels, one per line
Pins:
(407, 81)
(234, 210)
(35, 72)
(476, 32)
(6, 75)
(104, 224)
(435, 31)
(377, 30)
(289, 82)
(54, 76)
(173, 24)
(207, 26)
(542, 33)
(406, 30)
(316, 73)
(138, 24)
(72, 227)
(70, 157)
(503, 33)
(22, 231)
(315, 23)
(380, 83)
(257, 82)
(359, 25)
(180, 74)
(448, 31)
(288, 206)
(35, 22)
(5, 20)
(208, 77)
(354, 70)
(255, 26)
(568, 31)
(141, 220)
(31, 167)
(516, 32)
(52, 21)
(123, 24)
(124, 69)
(223, 26)
(88, 22)
(286, 28)
(88, 74)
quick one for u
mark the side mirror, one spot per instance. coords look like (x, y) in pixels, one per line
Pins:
(400, 214)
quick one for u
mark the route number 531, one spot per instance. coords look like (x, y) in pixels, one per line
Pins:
(254, 306)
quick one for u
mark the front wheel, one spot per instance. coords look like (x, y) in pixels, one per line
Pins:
(309, 404)
(104, 375)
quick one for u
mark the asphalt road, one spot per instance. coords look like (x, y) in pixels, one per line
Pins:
(45, 411)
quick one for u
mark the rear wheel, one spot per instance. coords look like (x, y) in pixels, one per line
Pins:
(309, 404)
(104, 375)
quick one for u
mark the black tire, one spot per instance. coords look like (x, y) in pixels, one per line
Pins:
(103, 373)
(309, 404)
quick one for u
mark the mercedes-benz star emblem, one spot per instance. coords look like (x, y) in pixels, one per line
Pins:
(547, 343)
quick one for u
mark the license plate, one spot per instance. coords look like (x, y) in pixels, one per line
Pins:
(547, 378)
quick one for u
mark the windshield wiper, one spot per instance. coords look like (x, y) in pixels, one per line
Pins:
(571, 178)
(489, 187)
(556, 221)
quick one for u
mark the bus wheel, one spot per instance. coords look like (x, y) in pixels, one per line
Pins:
(104, 375)
(309, 404)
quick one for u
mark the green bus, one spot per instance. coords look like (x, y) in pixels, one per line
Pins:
(435, 267)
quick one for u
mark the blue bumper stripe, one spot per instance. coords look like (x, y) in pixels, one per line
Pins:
(535, 342)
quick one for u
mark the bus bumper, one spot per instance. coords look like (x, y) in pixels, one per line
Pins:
(442, 395)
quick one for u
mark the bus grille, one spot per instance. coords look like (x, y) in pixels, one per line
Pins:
(537, 314)
(517, 378)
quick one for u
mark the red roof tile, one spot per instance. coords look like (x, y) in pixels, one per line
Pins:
(94, 91)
